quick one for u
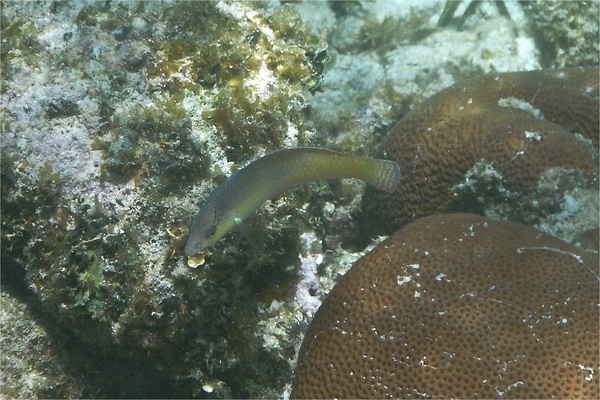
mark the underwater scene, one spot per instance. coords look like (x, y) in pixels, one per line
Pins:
(311, 199)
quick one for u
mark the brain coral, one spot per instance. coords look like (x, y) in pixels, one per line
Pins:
(458, 305)
(514, 126)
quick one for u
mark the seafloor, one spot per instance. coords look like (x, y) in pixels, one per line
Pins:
(118, 118)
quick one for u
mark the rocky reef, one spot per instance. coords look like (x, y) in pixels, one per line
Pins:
(119, 118)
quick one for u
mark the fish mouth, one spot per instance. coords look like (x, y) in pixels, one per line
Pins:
(191, 250)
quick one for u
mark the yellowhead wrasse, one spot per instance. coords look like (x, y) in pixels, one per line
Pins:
(271, 175)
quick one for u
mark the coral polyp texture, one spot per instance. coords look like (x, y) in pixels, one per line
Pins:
(508, 145)
(462, 306)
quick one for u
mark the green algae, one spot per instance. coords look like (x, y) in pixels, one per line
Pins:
(91, 266)
(566, 32)
(207, 51)
(154, 146)
(19, 36)
(19, 217)
(225, 53)
(67, 252)
(247, 121)
(202, 49)
(227, 56)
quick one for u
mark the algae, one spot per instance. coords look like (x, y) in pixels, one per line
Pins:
(168, 99)
(158, 93)
(566, 32)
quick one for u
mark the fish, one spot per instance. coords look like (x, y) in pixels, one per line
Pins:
(273, 174)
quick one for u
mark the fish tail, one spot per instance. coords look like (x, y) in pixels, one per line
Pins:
(386, 176)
